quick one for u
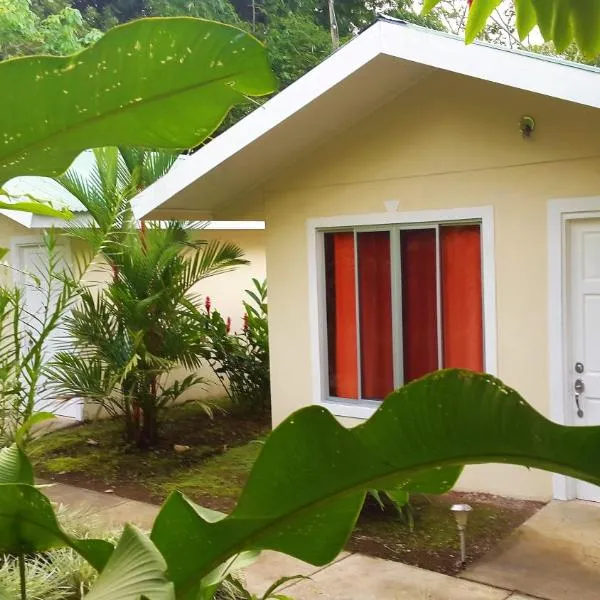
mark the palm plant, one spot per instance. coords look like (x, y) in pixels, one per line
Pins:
(125, 339)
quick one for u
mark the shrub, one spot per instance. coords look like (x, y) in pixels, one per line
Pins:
(126, 340)
(241, 360)
(62, 574)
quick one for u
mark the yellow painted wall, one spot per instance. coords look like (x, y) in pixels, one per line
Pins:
(227, 291)
(448, 142)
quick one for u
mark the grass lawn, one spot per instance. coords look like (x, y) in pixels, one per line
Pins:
(213, 471)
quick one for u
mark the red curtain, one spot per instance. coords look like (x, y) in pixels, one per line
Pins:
(341, 314)
(375, 293)
(462, 310)
(419, 302)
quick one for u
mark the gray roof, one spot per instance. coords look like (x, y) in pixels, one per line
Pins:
(536, 55)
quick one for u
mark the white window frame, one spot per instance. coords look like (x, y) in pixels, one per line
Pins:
(363, 409)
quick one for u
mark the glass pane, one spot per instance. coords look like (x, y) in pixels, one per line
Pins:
(462, 303)
(341, 314)
(375, 293)
(419, 302)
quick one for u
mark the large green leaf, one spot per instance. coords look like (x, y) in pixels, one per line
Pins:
(478, 15)
(15, 466)
(23, 433)
(310, 480)
(33, 206)
(157, 83)
(28, 524)
(526, 17)
(560, 21)
(135, 570)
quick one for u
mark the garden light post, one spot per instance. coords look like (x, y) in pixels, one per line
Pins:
(461, 514)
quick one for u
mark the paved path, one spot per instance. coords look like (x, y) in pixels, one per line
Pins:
(555, 554)
(350, 577)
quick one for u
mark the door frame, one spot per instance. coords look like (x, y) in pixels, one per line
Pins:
(23, 241)
(560, 213)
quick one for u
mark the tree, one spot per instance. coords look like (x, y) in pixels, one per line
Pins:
(560, 21)
(125, 340)
(404, 10)
(295, 44)
(22, 31)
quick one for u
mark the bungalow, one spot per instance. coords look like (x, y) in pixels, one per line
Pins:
(427, 204)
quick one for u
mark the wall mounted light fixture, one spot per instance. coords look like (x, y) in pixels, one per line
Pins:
(527, 126)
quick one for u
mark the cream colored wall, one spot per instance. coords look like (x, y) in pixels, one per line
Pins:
(448, 142)
(227, 291)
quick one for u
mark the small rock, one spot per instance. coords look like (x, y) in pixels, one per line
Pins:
(92, 442)
(180, 448)
(109, 491)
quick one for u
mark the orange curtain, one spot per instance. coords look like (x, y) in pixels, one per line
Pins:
(419, 302)
(462, 310)
(375, 292)
(341, 315)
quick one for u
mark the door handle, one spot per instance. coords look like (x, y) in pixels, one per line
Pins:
(579, 387)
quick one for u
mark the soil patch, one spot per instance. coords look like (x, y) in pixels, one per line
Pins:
(428, 537)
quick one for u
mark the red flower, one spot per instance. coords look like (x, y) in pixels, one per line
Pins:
(245, 323)
(207, 304)
(228, 325)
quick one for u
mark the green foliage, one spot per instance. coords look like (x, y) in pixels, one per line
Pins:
(311, 479)
(273, 592)
(125, 340)
(188, 74)
(560, 21)
(404, 10)
(28, 525)
(241, 360)
(214, 10)
(135, 570)
(296, 44)
(59, 574)
(23, 31)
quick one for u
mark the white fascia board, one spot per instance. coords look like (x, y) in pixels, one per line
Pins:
(323, 77)
(235, 225)
(518, 70)
(434, 49)
(41, 222)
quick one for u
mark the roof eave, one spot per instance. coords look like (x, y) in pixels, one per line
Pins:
(414, 44)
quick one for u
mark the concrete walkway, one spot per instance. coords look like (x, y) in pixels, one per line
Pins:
(350, 577)
(555, 555)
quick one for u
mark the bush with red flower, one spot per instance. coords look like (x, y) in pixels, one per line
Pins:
(240, 360)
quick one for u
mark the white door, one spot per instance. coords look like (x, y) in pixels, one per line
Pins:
(583, 366)
(32, 261)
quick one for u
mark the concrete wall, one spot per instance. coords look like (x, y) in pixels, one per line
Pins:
(448, 142)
